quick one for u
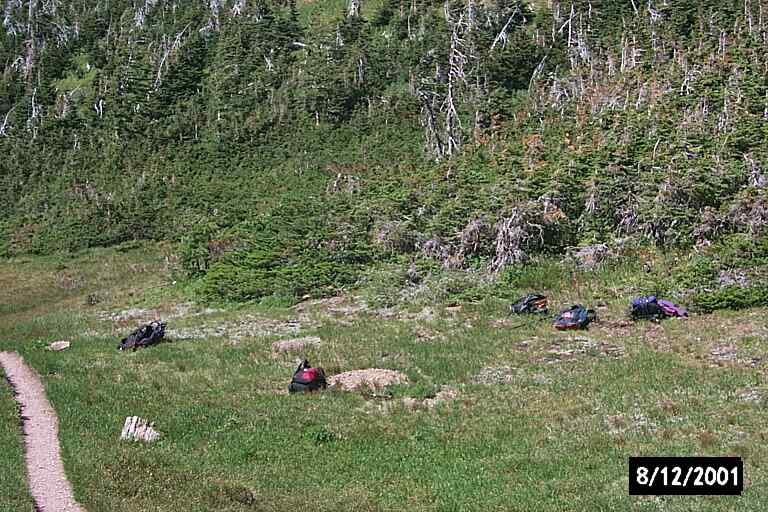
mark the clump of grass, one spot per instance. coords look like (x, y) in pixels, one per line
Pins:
(13, 486)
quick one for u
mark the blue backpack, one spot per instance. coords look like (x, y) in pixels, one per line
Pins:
(575, 317)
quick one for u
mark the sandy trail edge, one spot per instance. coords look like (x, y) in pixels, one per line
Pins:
(48, 485)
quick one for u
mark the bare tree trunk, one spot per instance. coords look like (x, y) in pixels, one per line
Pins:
(5, 125)
(501, 38)
(353, 8)
(176, 44)
(31, 43)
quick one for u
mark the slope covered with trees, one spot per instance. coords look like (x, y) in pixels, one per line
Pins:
(287, 144)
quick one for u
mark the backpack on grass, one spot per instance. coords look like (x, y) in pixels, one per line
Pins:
(651, 308)
(306, 378)
(575, 317)
(672, 309)
(531, 303)
(646, 308)
(144, 336)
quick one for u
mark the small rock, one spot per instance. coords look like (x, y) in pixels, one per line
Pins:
(427, 314)
(58, 346)
(411, 403)
(138, 429)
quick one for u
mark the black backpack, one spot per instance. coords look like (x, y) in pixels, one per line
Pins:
(646, 307)
(575, 317)
(306, 378)
(531, 303)
(144, 336)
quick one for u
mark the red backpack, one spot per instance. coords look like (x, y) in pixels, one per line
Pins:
(306, 378)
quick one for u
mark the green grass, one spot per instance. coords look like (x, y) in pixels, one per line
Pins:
(555, 435)
(13, 488)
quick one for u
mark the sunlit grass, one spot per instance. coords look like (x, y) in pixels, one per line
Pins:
(553, 432)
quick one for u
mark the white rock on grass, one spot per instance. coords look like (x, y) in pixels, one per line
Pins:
(138, 429)
(58, 346)
(370, 378)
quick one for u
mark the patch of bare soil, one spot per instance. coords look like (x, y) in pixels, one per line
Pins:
(340, 306)
(727, 354)
(427, 335)
(617, 328)
(751, 395)
(295, 344)
(445, 395)
(248, 326)
(657, 338)
(426, 314)
(369, 378)
(169, 312)
(635, 423)
(574, 348)
(496, 375)
(48, 484)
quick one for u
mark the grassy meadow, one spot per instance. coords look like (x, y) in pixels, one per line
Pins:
(536, 420)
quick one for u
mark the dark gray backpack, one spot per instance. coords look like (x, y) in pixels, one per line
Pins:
(531, 303)
(144, 336)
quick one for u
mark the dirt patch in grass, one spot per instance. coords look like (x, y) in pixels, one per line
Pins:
(751, 395)
(427, 335)
(617, 328)
(295, 344)
(340, 306)
(496, 375)
(728, 354)
(445, 395)
(574, 348)
(655, 337)
(168, 312)
(369, 378)
(631, 423)
(248, 326)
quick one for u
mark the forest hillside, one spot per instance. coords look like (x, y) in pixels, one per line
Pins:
(287, 147)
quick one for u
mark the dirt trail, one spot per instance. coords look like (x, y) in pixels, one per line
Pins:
(48, 485)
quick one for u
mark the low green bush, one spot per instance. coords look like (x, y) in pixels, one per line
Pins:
(732, 297)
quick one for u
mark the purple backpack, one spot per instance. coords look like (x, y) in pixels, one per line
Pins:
(672, 309)
(649, 307)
